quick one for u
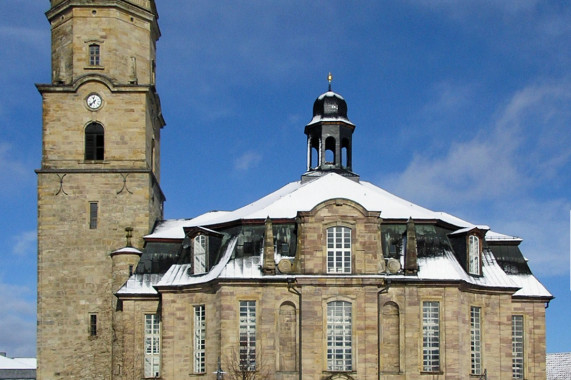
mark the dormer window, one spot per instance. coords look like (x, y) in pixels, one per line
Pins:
(474, 255)
(200, 247)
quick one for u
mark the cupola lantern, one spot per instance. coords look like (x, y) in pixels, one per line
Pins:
(329, 137)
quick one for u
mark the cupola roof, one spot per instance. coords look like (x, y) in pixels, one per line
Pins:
(330, 106)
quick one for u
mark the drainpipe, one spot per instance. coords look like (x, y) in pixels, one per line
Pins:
(382, 290)
(291, 288)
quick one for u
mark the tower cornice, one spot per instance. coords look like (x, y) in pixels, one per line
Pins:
(145, 9)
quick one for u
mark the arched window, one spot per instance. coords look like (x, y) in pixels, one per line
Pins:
(346, 153)
(338, 250)
(330, 150)
(474, 255)
(339, 336)
(94, 142)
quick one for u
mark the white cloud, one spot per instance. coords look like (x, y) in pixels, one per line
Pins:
(17, 321)
(25, 243)
(247, 160)
(513, 174)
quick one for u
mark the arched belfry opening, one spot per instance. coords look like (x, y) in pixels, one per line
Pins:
(329, 138)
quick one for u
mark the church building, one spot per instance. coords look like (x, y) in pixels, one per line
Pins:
(328, 277)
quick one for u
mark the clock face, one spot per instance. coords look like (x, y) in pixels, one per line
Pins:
(93, 101)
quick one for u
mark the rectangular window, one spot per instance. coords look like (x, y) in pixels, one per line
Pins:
(339, 336)
(248, 335)
(199, 339)
(93, 209)
(476, 340)
(94, 55)
(517, 346)
(200, 244)
(338, 250)
(92, 324)
(152, 345)
(431, 336)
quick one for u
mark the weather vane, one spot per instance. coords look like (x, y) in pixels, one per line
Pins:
(329, 79)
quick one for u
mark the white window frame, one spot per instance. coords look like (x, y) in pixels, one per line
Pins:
(517, 347)
(199, 339)
(431, 336)
(475, 340)
(339, 336)
(474, 255)
(339, 249)
(152, 356)
(200, 247)
(247, 336)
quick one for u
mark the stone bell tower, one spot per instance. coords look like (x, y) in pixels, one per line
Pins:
(99, 175)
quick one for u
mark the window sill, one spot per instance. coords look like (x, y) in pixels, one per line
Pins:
(100, 68)
(431, 372)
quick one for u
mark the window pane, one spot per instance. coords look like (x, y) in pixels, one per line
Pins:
(94, 58)
(152, 346)
(339, 336)
(431, 336)
(339, 250)
(199, 339)
(517, 347)
(200, 244)
(474, 255)
(93, 209)
(247, 335)
(475, 340)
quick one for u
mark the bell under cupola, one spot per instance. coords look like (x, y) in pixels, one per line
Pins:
(329, 138)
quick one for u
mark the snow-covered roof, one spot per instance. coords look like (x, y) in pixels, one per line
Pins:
(558, 366)
(295, 197)
(125, 250)
(17, 363)
(468, 229)
(141, 284)
(492, 236)
(286, 202)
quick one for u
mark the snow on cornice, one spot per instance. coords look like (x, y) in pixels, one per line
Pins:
(496, 236)
(320, 118)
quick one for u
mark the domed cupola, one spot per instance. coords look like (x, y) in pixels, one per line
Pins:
(329, 137)
(330, 105)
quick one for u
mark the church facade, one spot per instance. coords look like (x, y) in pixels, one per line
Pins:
(328, 277)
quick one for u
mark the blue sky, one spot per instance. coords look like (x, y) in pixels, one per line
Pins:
(460, 106)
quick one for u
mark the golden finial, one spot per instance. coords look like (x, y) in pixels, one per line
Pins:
(329, 79)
